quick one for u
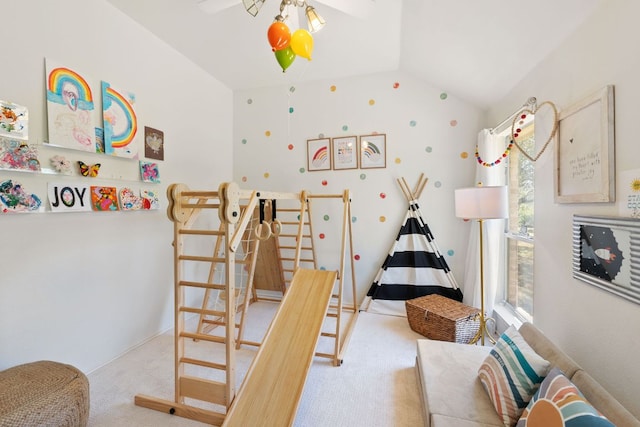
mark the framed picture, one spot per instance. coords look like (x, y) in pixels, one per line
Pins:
(345, 152)
(606, 251)
(584, 157)
(373, 151)
(318, 154)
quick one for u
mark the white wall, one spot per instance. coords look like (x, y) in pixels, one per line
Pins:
(427, 132)
(82, 288)
(598, 329)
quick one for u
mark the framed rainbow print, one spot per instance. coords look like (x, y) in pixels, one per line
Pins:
(373, 151)
(345, 152)
(318, 154)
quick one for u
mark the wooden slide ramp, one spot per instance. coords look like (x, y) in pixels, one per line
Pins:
(273, 385)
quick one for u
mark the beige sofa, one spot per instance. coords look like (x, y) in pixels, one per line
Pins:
(454, 397)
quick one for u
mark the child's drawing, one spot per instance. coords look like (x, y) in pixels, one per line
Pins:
(14, 120)
(69, 109)
(104, 198)
(14, 198)
(120, 122)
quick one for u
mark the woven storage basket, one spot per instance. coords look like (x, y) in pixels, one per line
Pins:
(441, 318)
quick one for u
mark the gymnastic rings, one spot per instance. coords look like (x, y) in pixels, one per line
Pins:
(265, 230)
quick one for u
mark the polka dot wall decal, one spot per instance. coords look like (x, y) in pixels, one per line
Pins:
(396, 85)
(363, 176)
(412, 123)
(292, 89)
(302, 170)
(332, 88)
(443, 95)
(321, 235)
(354, 218)
(244, 140)
(290, 146)
(290, 109)
(266, 175)
(464, 155)
(438, 184)
(428, 149)
(398, 161)
(326, 217)
(382, 195)
(453, 123)
(372, 101)
(324, 182)
(244, 179)
(345, 127)
(321, 135)
(267, 133)
(249, 101)
(450, 252)
(382, 219)
(356, 257)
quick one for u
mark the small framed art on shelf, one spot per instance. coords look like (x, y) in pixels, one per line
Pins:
(373, 151)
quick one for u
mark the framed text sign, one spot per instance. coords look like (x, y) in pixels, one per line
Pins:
(584, 160)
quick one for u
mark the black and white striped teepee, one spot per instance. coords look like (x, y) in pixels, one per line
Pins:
(414, 266)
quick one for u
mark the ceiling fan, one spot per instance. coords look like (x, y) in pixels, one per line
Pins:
(356, 8)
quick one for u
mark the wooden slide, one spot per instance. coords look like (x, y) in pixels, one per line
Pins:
(273, 385)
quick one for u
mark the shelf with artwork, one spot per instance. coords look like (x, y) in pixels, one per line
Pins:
(91, 150)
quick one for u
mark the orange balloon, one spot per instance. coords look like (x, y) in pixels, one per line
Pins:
(278, 35)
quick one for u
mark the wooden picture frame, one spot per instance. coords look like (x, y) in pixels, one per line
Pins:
(606, 254)
(584, 154)
(345, 152)
(373, 151)
(319, 154)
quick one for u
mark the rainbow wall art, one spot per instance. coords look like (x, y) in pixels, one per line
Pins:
(120, 122)
(70, 108)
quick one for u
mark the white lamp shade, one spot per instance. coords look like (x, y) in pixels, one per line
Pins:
(482, 202)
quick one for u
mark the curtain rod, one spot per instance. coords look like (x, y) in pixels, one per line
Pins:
(531, 102)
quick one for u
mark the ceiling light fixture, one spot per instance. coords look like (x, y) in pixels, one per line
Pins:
(314, 20)
(287, 44)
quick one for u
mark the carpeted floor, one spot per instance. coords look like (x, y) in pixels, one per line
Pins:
(375, 386)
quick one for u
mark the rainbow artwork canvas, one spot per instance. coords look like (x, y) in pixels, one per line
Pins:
(70, 108)
(119, 122)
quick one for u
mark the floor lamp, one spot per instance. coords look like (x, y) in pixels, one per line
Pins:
(482, 203)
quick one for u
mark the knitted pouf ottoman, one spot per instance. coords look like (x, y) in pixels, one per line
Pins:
(43, 393)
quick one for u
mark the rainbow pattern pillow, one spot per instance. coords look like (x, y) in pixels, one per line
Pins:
(559, 403)
(511, 374)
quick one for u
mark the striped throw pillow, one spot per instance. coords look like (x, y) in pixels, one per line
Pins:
(559, 403)
(511, 374)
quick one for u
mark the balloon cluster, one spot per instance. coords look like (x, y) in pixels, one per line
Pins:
(287, 46)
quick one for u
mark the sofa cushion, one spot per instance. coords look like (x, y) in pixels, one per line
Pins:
(557, 403)
(450, 385)
(547, 349)
(511, 374)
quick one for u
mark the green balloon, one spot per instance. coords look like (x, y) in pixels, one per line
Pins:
(285, 57)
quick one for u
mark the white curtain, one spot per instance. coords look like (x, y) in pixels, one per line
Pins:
(490, 147)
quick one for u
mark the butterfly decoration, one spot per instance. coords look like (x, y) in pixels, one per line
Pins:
(89, 170)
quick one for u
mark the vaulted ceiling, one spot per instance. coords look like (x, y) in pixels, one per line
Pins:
(475, 49)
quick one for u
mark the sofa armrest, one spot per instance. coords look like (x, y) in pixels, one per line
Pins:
(548, 350)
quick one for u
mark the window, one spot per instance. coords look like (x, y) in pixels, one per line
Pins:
(520, 230)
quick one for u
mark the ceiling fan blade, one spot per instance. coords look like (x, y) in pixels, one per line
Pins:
(215, 6)
(253, 6)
